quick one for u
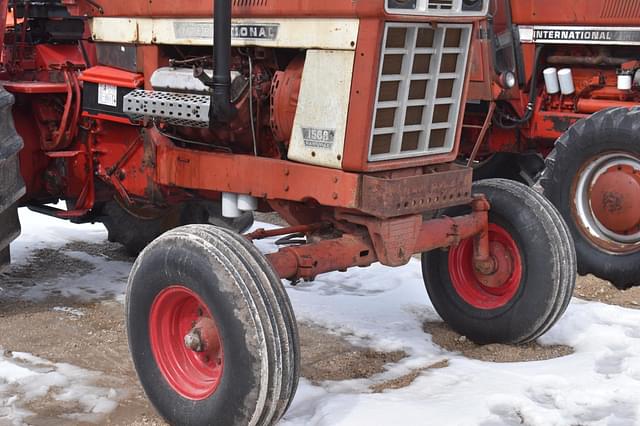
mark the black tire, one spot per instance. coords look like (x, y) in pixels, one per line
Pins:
(253, 315)
(12, 186)
(291, 347)
(135, 232)
(613, 130)
(545, 285)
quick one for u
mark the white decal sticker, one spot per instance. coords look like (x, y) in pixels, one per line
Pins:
(108, 95)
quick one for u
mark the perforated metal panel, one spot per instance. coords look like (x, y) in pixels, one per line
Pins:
(420, 84)
(179, 109)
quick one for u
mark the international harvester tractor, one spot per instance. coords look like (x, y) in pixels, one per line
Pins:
(560, 79)
(342, 116)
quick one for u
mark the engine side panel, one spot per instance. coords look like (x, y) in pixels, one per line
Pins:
(321, 118)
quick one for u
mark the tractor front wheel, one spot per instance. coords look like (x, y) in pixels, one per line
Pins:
(211, 330)
(593, 178)
(534, 277)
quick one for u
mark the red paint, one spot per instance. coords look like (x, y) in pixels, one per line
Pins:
(482, 291)
(113, 76)
(284, 99)
(391, 242)
(34, 87)
(570, 12)
(176, 312)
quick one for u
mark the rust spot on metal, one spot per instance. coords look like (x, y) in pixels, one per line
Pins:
(559, 123)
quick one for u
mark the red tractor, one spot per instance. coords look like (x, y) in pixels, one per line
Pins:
(560, 80)
(344, 117)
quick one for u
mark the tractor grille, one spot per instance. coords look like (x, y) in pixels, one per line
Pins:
(621, 9)
(249, 3)
(440, 5)
(420, 84)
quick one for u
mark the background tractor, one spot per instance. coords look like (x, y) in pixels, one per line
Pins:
(342, 116)
(559, 81)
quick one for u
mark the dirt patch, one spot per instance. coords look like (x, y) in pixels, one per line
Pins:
(407, 379)
(594, 289)
(326, 356)
(448, 339)
(45, 264)
(93, 338)
(108, 250)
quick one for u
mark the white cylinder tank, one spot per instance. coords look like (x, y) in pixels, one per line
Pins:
(551, 80)
(625, 81)
(247, 203)
(230, 205)
(565, 76)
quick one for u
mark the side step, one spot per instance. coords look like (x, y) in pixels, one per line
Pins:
(12, 186)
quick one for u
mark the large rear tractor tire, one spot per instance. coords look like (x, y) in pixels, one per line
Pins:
(534, 280)
(12, 186)
(593, 178)
(135, 229)
(211, 330)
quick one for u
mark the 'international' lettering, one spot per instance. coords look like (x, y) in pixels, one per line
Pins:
(591, 35)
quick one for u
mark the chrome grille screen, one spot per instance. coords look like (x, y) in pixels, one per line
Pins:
(440, 5)
(420, 84)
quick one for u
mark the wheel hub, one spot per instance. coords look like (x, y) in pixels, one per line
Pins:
(203, 337)
(494, 288)
(606, 201)
(615, 199)
(186, 343)
(503, 268)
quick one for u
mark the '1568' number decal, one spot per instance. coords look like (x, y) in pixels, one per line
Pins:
(318, 138)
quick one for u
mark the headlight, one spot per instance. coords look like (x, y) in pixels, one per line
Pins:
(507, 80)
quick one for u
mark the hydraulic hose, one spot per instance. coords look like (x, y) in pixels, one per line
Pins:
(533, 97)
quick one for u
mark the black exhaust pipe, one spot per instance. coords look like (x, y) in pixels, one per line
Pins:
(222, 111)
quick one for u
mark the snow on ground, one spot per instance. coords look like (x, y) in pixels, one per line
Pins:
(26, 379)
(385, 309)
(107, 278)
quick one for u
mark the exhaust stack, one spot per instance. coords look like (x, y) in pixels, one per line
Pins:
(222, 111)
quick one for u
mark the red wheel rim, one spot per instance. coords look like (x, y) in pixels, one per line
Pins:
(180, 317)
(467, 281)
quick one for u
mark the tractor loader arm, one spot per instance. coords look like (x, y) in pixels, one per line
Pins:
(12, 186)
